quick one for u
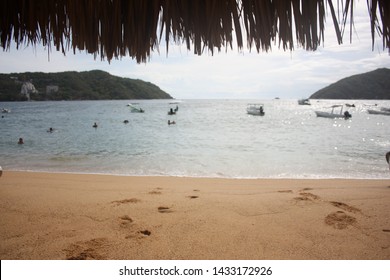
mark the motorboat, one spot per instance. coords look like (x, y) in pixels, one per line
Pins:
(5, 110)
(336, 111)
(255, 109)
(304, 101)
(382, 111)
(135, 109)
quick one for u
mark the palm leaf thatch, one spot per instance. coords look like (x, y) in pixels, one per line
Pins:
(116, 28)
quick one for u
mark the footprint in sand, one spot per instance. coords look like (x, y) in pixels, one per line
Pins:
(345, 207)
(306, 196)
(125, 221)
(285, 191)
(125, 201)
(139, 234)
(301, 198)
(145, 232)
(309, 195)
(163, 209)
(154, 192)
(132, 232)
(340, 220)
(89, 250)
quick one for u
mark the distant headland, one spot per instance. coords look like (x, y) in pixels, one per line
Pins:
(89, 85)
(370, 85)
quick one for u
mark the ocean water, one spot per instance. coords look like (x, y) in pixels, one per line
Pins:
(211, 138)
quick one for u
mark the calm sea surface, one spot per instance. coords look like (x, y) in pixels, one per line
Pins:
(211, 138)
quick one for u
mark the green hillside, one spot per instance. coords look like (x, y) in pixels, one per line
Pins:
(371, 85)
(90, 85)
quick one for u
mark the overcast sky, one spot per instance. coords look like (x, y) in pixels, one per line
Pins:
(235, 74)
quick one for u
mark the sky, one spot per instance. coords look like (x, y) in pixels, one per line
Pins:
(231, 74)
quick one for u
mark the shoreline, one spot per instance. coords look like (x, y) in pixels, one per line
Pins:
(93, 216)
(200, 176)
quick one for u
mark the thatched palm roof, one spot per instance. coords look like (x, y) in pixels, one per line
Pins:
(115, 28)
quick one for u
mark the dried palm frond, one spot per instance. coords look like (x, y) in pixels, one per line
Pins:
(116, 28)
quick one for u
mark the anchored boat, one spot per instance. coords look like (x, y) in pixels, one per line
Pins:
(334, 112)
(255, 109)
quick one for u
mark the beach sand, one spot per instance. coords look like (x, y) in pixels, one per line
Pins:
(73, 216)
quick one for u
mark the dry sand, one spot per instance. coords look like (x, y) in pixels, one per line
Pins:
(71, 216)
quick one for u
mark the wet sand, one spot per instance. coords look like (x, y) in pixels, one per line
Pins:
(72, 216)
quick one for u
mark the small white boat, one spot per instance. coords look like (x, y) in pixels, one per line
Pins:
(334, 113)
(5, 110)
(378, 112)
(135, 109)
(255, 109)
(304, 101)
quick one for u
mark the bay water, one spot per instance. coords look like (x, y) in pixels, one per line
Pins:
(211, 138)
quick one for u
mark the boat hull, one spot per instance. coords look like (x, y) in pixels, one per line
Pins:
(329, 115)
(376, 112)
(255, 113)
(304, 102)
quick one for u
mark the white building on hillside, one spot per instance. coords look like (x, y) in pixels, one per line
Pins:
(27, 88)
